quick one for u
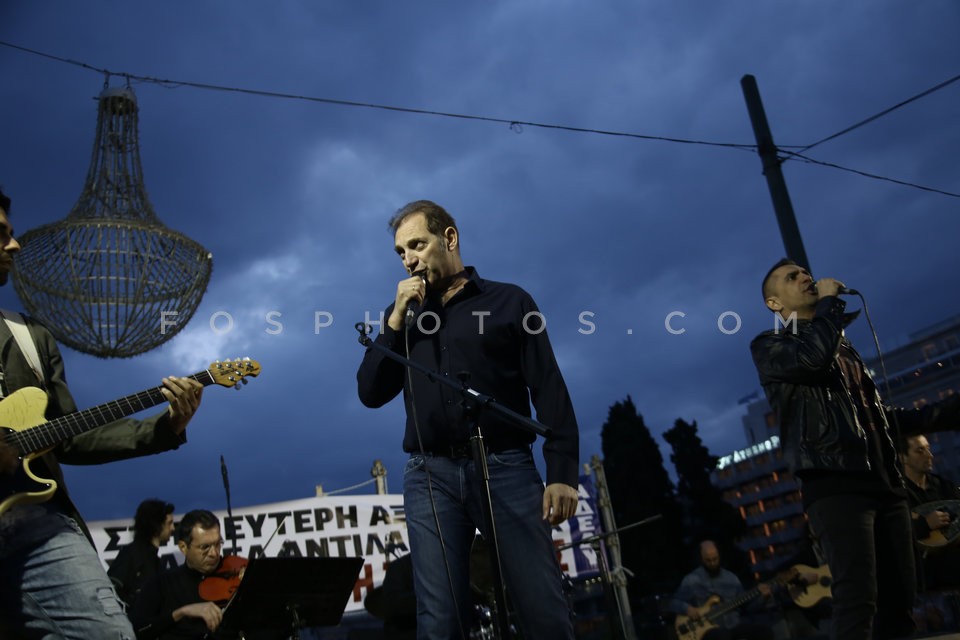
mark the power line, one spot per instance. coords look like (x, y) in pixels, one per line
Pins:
(803, 158)
(881, 114)
(515, 125)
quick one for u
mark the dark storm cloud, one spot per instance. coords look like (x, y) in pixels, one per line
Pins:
(292, 197)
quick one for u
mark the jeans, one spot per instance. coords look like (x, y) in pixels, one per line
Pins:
(52, 585)
(531, 571)
(868, 543)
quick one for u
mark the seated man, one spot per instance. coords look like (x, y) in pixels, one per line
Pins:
(170, 606)
(939, 567)
(691, 604)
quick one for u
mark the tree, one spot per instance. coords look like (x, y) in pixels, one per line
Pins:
(706, 515)
(640, 488)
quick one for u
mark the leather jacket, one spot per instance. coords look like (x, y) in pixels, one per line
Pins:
(819, 427)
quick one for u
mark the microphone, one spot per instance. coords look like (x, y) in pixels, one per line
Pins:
(413, 307)
(846, 291)
(223, 472)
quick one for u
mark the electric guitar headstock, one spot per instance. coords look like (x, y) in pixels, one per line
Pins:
(233, 373)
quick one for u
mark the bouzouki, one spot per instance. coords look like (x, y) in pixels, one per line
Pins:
(24, 427)
(945, 535)
(808, 585)
(710, 612)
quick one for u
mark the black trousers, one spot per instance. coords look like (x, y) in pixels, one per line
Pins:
(868, 543)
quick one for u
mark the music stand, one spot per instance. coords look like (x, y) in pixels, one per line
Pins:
(290, 593)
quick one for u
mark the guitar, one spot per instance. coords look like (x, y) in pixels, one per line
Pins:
(25, 430)
(808, 585)
(710, 611)
(945, 535)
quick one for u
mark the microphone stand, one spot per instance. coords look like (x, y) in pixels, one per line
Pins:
(226, 488)
(619, 631)
(473, 403)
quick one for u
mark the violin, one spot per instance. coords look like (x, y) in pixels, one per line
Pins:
(219, 586)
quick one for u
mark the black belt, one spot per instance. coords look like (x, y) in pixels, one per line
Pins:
(456, 450)
(461, 450)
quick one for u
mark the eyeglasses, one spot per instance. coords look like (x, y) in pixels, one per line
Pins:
(206, 547)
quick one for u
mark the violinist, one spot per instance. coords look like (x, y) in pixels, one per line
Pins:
(170, 606)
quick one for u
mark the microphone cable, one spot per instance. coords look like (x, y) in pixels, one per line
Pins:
(426, 468)
(887, 397)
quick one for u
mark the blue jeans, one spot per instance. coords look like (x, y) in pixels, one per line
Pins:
(528, 558)
(868, 543)
(52, 585)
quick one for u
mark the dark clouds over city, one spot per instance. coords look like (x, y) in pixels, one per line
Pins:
(292, 196)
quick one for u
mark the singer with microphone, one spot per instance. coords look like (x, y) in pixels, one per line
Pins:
(837, 438)
(450, 319)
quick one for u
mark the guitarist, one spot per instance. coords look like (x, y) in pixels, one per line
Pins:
(52, 583)
(940, 569)
(710, 579)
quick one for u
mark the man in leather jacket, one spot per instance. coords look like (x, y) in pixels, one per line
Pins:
(837, 437)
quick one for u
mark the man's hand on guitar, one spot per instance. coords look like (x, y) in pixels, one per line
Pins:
(693, 612)
(937, 520)
(184, 395)
(764, 589)
(8, 459)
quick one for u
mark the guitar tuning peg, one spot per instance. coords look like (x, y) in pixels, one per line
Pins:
(244, 381)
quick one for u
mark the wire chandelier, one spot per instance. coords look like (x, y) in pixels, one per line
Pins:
(110, 279)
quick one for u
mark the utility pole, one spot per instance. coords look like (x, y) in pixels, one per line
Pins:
(789, 230)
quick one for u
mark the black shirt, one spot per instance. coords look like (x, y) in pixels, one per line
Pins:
(938, 488)
(494, 331)
(135, 565)
(152, 613)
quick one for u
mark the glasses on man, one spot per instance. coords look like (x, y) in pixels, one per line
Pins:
(208, 546)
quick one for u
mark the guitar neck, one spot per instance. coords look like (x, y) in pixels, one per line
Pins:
(50, 433)
(724, 608)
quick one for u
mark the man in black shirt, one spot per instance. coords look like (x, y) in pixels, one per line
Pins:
(138, 562)
(836, 438)
(169, 606)
(933, 528)
(494, 332)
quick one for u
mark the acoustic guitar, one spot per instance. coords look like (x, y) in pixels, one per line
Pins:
(24, 427)
(808, 585)
(945, 535)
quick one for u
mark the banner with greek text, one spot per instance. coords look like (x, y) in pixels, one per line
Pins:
(366, 526)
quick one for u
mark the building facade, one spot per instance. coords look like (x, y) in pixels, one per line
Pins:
(923, 371)
(756, 481)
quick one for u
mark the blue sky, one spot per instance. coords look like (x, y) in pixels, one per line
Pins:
(292, 196)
